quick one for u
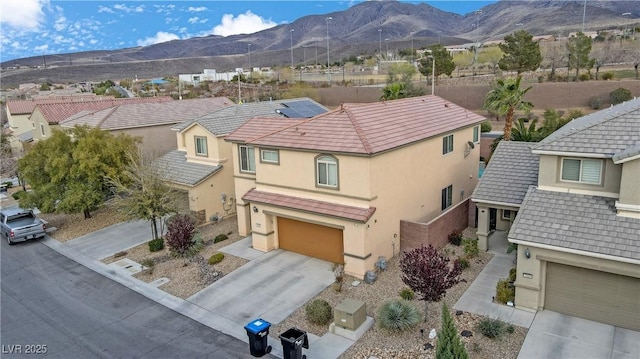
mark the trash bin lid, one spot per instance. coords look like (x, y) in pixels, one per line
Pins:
(257, 326)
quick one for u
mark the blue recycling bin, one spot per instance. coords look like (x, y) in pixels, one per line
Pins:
(258, 332)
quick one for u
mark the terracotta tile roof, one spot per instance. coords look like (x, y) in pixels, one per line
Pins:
(367, 128)
(146, 114)
(357, 214)
(56, 112)
(25, 107)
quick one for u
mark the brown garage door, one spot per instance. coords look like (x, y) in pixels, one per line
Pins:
(311, 239)
(594, 295)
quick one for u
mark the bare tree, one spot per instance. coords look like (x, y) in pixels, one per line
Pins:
(602, 54)
(554, 54)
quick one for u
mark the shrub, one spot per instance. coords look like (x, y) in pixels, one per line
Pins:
(585, 77)
(485, 126)
(148, 262)
(462, 263)
(491, 328)
(620, 95)
(471, 247)
(319, 312)
(398, 315)
(18, 194)
(510, 329)
(607, 75)
(156, 245)
(449, 344)
(8, 184)
(512, 274)
(216, 258)
(505, 291)
(595, 102)
(181, 236)
(407, 294)
(455, 238)
(220, 238)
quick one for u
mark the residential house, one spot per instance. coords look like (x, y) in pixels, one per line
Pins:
(152, 122)
(336, 186)
(577, 225)
(201, 163)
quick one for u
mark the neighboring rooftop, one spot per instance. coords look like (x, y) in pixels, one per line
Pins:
(135, 115)
(365, 128)
(576, 222)
(54, 113)
(25, 107)
(511, 170)
(175, 167)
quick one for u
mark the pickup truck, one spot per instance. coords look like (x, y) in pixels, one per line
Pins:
(19, 225)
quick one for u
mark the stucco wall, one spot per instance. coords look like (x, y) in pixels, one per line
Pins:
(436, 232)
(156, 140)
(629, 188)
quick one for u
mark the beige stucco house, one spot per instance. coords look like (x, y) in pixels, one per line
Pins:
(336, 186)
(578, 221)
(201, 165)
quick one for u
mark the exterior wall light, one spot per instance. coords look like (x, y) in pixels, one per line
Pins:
(255, 209)
(527, 253)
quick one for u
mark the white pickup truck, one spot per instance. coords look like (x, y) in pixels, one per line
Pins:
(19, 225)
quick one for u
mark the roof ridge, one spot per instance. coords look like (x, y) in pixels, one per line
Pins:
(356, 126)
(104, 118)
(279, 130)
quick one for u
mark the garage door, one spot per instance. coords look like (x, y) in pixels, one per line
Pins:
(311, 239)
(594, 295)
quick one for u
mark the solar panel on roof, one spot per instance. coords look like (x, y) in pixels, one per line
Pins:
(291, 113)
(304, 108)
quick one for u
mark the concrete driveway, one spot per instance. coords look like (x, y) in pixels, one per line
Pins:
(113, 239)
(555, 335)
(271, 287)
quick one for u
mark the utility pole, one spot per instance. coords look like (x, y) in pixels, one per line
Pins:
(328, 60)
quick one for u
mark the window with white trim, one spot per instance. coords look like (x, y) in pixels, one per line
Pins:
(247, 159)
(582, 170)
(447, 144)
(476, 134)
(201, 146)
(270, 156)
(327, 171)
(447, 197)
(506, 214)
(42, 129)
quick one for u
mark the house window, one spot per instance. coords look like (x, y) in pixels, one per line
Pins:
(270, 156)
(247, 159)
(581, 170)
(447, 197)
(327, 171)
(506, 214)
(447, 144)
(201, 146)
(42, 129)
(476, 134)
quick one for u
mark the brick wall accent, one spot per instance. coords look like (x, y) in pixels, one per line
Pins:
(436, 231)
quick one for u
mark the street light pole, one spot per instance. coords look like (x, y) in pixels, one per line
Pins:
(412, 51)
(328, 59)
(475, 52)
(292, 48)
(433, 75)
(380, 37)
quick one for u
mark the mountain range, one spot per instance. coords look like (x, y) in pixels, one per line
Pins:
(361, 29)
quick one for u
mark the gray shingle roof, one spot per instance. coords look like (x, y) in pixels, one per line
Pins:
(512, 169)
(226, 120)
(577, 222)
(605, 132)
(629, 152)
(176, 168)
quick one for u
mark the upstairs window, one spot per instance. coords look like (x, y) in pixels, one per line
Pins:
(476, 134)
(270, 156)
(582, 170)
(201, 146)
(447, 197)
(247, 159)
(327, 171)
(42, 130)
(447, 144)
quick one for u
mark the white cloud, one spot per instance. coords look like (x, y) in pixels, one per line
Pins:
(193, 20)
(60, 23)
(105, 9)
(196, 9)
(160, 36)
(22, 14)
(246, 23)
(125, 8)
(41, 48)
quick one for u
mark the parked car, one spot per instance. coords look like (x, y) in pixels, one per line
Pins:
(19, 225)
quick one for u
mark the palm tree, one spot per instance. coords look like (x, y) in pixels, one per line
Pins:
(523, 133)
(504, 99)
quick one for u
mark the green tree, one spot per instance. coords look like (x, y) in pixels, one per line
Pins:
(505, 99)
(393, 91)
(401, 72)
(523, 133)
(68, 172)
(491, 55)
(45, 86)
(444, 62)
(449, 345)
(578, 49)
(521, 53)
(463, 60)
(399, 83)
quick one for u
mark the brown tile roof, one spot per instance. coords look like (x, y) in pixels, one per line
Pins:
(25, 107)
(147, 114)
(363, 128)
(310, 205)
(56, 112)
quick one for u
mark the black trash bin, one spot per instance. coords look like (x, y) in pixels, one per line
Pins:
(293, 340)
(258, 332)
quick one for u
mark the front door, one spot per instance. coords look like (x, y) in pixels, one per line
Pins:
(493, 214)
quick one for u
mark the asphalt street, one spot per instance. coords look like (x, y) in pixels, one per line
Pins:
(52, 307)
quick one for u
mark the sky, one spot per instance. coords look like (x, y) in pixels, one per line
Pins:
(44, 27)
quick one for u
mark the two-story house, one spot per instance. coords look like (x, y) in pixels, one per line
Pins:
(200, 165)
(336, 186)
(578, 223)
